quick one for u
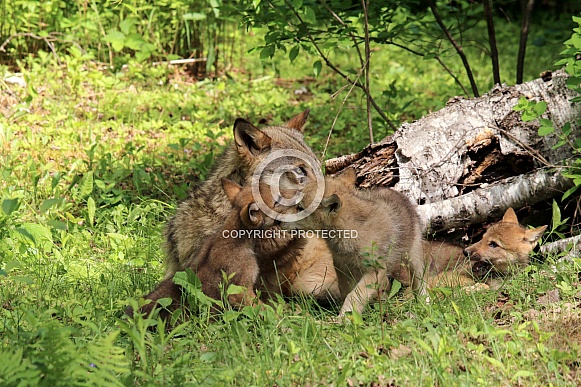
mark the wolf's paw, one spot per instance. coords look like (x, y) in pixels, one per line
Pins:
(478, 287)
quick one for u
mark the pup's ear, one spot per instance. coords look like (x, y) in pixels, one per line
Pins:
(331, 204)
(348, 177)
(298, 122)
(534, 235)
(510, 216)
(251, 215)
(249, 140)
(231, 189)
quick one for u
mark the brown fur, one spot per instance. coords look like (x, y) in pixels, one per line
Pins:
(234, 257)
(504, 249)
(298, 269)
(384, 219)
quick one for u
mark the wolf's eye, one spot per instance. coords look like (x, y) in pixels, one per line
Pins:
(300, 208)
(493, 244)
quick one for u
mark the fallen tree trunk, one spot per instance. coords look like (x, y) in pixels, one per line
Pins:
(471, 160)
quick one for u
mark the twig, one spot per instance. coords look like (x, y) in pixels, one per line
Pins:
(336, 70)
(351, 35)
(437, 57)
(31, 35)
(456, 46)
(365, 4)
(337, 115)
(524, 33)
(531, 151)
(492, 40)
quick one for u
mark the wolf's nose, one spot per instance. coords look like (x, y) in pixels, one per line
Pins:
(466, 253)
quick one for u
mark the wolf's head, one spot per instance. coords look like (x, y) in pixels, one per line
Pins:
(505, 246)
(276, 156)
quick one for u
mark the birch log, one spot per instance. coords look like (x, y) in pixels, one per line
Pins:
(461, 163)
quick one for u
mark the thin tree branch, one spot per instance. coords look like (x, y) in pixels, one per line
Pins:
(456, 46)
(31, 35)
(365, 4)
(492, 40)
(524, 33)
(336, 70)
(337, 115)
(351, 35)
(452, 75)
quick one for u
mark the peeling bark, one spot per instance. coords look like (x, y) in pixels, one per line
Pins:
(570, 245)
(474, 158)
(492, 201)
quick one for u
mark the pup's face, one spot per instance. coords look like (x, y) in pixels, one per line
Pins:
(242, 198)
(329, 207)
(505, 247)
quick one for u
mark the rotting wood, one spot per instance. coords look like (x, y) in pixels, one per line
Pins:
(467, 162)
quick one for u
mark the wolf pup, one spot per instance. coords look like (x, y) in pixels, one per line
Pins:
(504, 249)
(230, 251)
(385, 225)
(207, 207)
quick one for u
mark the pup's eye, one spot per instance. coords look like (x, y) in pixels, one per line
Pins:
(493, 244)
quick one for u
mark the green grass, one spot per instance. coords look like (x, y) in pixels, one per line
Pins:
(92, 164)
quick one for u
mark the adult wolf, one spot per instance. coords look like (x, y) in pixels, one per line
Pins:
(206, 209)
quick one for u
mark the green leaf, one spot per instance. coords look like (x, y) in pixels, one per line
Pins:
(267, 52)
(556, 222)
(235, 289)
(37, 233)
(521, 105)
(317, 66)
(127, 25)
(164, 302)
(57, 224)
(310, 15)
(540, 108)
(294, 52)
(522, 374)
(566, 129)
(117, 40)
(86, 186)
(528, 116)
(395, 287)
(9, 206)
(194, 16)
(48, 203)
(208, 357)
(570, 192)
(91, 208)
(545, 130)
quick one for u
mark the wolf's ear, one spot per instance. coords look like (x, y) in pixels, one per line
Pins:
(510, 216)
(231, 189)
(348, 176)
(251, 215)
(331, 204)
(533, 235)
(298, 122)
(249, 140)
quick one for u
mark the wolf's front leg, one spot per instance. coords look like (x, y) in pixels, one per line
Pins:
(365, 291)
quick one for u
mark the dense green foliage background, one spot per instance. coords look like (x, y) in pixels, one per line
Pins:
(94, 156)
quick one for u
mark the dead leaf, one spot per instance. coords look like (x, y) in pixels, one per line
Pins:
(401, 351)
(550, 297)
